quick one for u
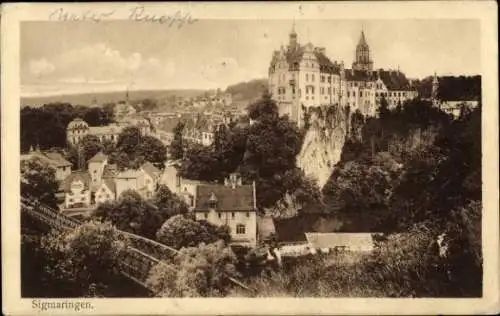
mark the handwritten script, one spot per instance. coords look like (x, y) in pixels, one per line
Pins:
(138, 14)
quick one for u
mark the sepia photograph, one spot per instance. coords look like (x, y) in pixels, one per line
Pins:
(183, 156)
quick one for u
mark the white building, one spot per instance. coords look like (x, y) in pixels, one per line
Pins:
(302, 76)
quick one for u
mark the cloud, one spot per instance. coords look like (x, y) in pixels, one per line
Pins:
(98, 63)
(40, 67)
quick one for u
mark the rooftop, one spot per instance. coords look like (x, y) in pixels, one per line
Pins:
(239, 198)
(82, 176)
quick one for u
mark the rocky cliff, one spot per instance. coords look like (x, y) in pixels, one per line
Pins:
(323, 142)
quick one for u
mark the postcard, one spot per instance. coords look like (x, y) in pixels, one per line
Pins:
(260, 158)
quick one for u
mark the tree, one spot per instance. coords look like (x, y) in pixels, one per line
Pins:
(38, 181)
(180, 231)
(383, 109)
(168, 203)
(152, 150)
(97, 117)
(197, 271)
(271, 150)
(200, 163)
(129, 139)
(263, 109)
(132, 214)
(86, 259)
(90, 145)
(177, 145)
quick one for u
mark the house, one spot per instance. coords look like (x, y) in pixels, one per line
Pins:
(151, 177)
(106, 192)
(130, 180)
(356, 242)
(232, 204)
(96, 166)
(55, 160)
(77, 190)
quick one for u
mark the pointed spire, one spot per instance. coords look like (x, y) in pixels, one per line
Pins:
(362, 39)
(293, 33)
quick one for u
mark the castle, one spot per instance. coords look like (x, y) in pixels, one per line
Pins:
(302, 76)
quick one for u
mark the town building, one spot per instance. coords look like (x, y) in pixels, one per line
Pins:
(53, 159)
(354, 242)
(452, 107)
(77, 188)
(78, 129)
(232, 204)
(302, 76)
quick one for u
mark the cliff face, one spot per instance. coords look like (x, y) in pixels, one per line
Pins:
(323, 142)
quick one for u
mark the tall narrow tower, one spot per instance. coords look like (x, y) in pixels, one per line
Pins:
(362, 60)
(435, 90)
(292, 44)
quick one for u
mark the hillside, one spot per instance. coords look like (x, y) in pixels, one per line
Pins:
(244, 93)
(452, 88)
(107, 97)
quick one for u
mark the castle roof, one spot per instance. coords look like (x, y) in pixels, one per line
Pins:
(239, 198)
(394, 80)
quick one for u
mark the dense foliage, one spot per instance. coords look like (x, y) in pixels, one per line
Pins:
(78, 263)
(183, 231)
(264, 152)
(196, 271)
(134, 214)
(462, 88)
(46, 126)
(39, 181)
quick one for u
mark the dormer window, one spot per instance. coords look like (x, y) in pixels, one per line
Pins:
(212, 201)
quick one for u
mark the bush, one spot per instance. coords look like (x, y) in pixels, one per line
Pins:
(196, 271)
(181, 231)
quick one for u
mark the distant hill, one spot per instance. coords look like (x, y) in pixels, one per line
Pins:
(452, 88)
(107, 97)
(244, 93)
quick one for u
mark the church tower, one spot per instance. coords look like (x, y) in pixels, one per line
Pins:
(362, 61)
(435, 91)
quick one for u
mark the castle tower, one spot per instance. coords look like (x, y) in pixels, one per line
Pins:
(362, 60)
(293, 38)
(435, 91)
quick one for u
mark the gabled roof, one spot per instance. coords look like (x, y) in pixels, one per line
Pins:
(99, 157)
(57, 159)
(394, 80)
(110, 183)
(151, 170)
(127, 174)
(331, 240)
(241, 198)
(82, 176)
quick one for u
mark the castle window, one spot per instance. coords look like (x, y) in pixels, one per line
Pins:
(248, 214)
(240, 229)
(307, 78)
(232, 215)
(360, 93)
(220, 215)
(329, 90)
(348, 94)
(205, 215)
(354, 93)
(322, 78)
(312, 77)
(329, 79)
(322, 90)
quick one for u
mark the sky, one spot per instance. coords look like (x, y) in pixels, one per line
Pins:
(69, 57)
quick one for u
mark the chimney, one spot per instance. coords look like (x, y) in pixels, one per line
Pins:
(233, 181)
